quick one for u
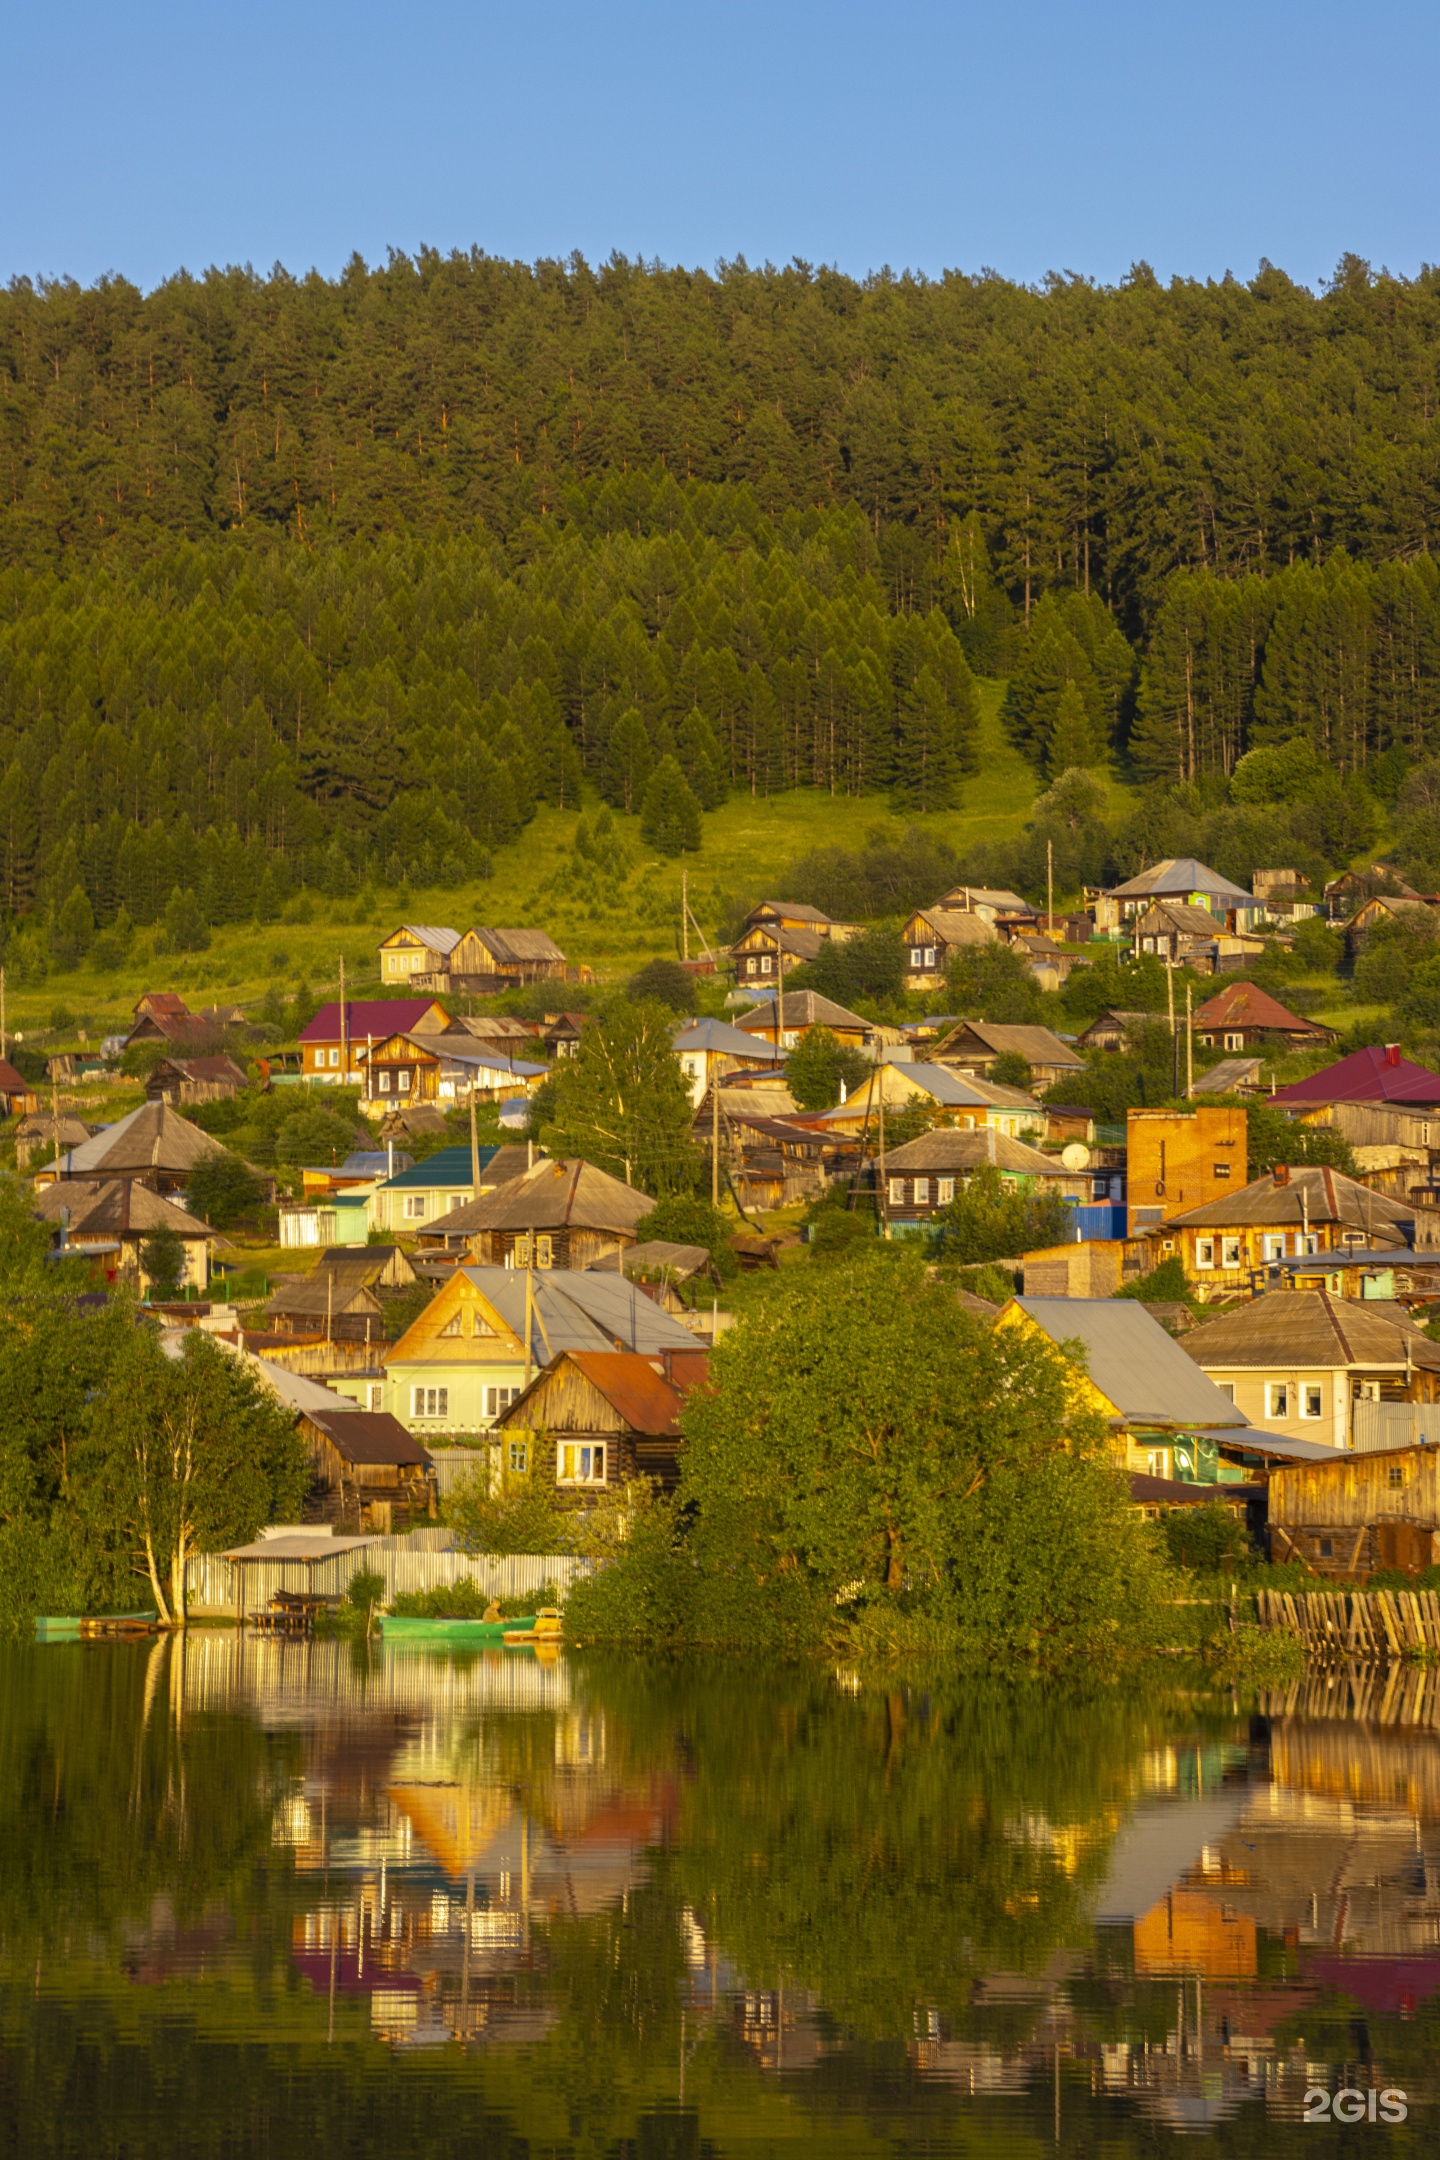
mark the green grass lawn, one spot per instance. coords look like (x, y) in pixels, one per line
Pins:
(611, 923)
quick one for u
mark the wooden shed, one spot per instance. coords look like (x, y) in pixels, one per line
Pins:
(1366, 1510)
(371, 1473)
(599, 1417)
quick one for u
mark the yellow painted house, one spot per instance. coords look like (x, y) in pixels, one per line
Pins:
(463, 1361)
(1141, 1382)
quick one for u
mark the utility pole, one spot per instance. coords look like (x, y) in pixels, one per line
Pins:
(714, 1139)
(684, 914)
(1189, 1044)
(529, 1302)
(474, 1146)
(884, 1193)
(1174, 1038)
(55, 1123)
(344, 1045)
(4, 1044)
(1050, 888)
(779, 997)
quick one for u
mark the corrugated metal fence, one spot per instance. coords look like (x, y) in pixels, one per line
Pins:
(451, 1464)
(213, 1583)
(1394, 1424)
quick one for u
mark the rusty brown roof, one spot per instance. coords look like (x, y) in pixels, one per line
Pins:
(636, 1387)
(1311, 1193)
(1244, 1004)
(368, 1436)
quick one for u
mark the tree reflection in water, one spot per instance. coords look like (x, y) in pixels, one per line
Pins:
(301, 1899)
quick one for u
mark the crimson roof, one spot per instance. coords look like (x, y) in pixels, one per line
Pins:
(1375, 1074)
(377, 1016)
(1244, 1004)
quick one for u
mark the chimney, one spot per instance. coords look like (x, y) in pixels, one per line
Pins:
(1392, 1053)
(1281, 1173)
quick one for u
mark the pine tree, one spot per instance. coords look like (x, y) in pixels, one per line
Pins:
(670, 816)
(1074, 738)
(628, 762)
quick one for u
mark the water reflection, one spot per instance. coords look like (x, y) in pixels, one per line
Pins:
(479, 1902)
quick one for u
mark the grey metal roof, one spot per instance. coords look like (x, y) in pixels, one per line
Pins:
(718, 1036)
(1309, 1193)
(1229, 1074)
(1131, 1359)
(437, 936)
(1037, 1045)
(1176, 874)
(579, 1309)
(1287, 1328)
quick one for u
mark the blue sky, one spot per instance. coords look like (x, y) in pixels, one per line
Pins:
(1027, 138)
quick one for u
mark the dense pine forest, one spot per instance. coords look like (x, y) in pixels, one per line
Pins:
(301, 576)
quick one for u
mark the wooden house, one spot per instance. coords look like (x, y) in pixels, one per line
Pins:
(961, 1099)
(17, 1096)
(553, 1215)
(465, 1359)
(764, 950)
(431, 1191)
(163, 1016)
(403, 1069)
(1177, 879)
(595, 1419)
(1359, 1513)
(111, 1220)
(337, 1042)
(369, 1472)
(776, 1161)
(1113, 1030)
(972, 1046)
(932, 935)
(416, 949)
(1242, 1017)
(487, 961)
(923, 1176)
(1003, 911)
(1384, 907)
(326, 1305)
(376, 1267)
(786, 1021)
(1238, 1241)
(40, 1132)
(1379, 1077)
(1232, 1076)
(153, 1146)
(1176, 933)
(795, 915)
(1300, 1361)
(191, 1080)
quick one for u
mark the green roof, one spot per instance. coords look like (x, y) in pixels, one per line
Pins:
(450, 1166)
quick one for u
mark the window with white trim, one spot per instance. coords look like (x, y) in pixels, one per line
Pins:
(580, 1462)
(944, 1191)
(897, 1192)
(518, 1456)
(1277, 1398)
(922, 1192)
(544, 1250)
(498, 1399)
(384, 1083)
(1311, 1401)
(1273, 1248)
(429, 1402)
(319, 1057)
(765, 963)
(1307, 1241)
(334, 1057)
(1234, 1042)
(402, 1082)
(415, 1207)
(1204, 1252)
(917, 956)
(1230, 1252)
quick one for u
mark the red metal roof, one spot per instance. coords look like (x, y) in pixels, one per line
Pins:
(1243, 1004)
(11, 1082)
(1377, 1074)
(646, 1399)
(379, 1017)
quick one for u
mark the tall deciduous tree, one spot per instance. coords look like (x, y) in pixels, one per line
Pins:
(622, 1102)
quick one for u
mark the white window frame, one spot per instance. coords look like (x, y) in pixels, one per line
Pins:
(917, 956)
(544, 1249)
(1230, 1253)
(921, 1190)
(897, 1192)
(944, 1191)
(1272, 1247)
(335, 1057)
(414, 1208)
(384, 1083)
(580, 1462)
(319, 1058)
(1307, 1242)
(765, 963)
(1277, 1398)
(1234, 1042)
(429, 1402)
(403, 1079)
(1205, 1252)
(1311, 1392)
(497, 1400)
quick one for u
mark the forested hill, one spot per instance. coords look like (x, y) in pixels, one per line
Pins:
(1105, 438)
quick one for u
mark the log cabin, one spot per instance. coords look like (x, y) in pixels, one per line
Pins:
(973, 1046)
(932, 935)
(595, 1419)
(367, 1471)
(575, 1214)
(1362, 1512)
(416, 949)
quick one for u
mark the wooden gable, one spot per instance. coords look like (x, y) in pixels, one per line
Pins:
(400, 1050)
(761, 938)
(566, 1400)
(457, 1327)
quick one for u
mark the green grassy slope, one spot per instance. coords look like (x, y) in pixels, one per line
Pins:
(609, 923)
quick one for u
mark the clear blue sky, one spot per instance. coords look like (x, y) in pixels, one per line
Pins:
(1028, 137)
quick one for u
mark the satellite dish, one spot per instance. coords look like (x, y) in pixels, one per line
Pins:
(1076, 1156)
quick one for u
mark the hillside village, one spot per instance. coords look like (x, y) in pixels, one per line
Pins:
(452, 1293)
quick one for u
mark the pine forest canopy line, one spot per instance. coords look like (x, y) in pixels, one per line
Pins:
(305, 578)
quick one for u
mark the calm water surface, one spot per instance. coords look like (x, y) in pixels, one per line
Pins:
(300, 1900)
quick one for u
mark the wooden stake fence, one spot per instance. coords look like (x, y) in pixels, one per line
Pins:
(1334, 1625)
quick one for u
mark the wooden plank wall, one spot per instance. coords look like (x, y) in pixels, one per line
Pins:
(1338, 1625)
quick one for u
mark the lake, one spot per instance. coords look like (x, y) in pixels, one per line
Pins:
(302, 1900)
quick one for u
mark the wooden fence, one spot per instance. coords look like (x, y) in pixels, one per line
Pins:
(213, 1584)
(1337, 1624)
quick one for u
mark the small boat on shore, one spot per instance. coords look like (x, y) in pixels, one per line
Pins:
(77, 1627)
(545, 1630)
(397, 1628)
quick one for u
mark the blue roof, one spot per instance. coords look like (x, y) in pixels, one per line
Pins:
(450, 1166)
